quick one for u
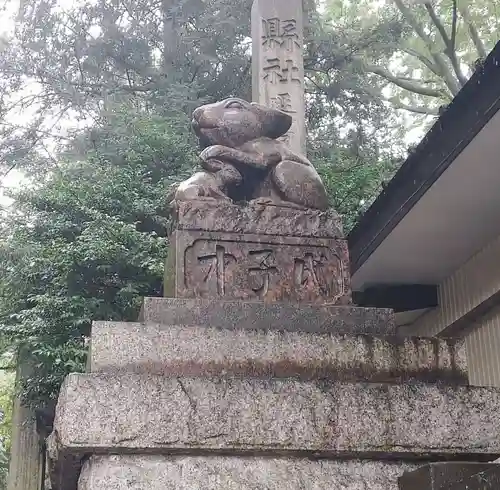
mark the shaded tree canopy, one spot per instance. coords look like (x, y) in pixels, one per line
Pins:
(88, 241)
(61, 64)
(440, 43)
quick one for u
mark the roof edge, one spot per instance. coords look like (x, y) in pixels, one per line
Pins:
(470, 110)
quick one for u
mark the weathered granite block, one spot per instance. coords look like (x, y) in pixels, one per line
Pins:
(229, 473)
(265, 253)
(134, 413)
(219, 216)
(205, 351)
(452, 476)
(278, 316)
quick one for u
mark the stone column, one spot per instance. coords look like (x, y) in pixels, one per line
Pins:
(26, 458)
(277, 63)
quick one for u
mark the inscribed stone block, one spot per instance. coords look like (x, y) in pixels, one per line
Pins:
(250, 263)
(255, 267)
(277, 63)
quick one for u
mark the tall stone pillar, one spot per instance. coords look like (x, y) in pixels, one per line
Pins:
(277, 63)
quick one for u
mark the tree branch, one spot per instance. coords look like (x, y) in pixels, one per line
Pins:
(417, 110)
(423, 59)
(410, 86)
(401, 105)
(8, 171)
(454, 27)
(449, 43)
(478, 43)
(444, 71)
(415, 80)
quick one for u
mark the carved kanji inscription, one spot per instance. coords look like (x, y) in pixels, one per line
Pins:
(279, 33)
(261, 273)
(310, 272)
(283, 102)
(281, 72)
(278, 62)
(214, 267)
(266, 268)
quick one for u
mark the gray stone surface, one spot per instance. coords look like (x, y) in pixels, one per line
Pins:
(485, 480)
(277, 62)
(217, 473)
(205, 351)
(134, 413)
(260, 316)
(451, 475)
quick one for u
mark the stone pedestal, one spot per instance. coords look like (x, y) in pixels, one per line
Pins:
(257, 315)
(157, 472)
(179, 350)
(264, 253)
(224, 387)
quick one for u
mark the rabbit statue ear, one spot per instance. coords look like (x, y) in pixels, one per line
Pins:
(275, 123)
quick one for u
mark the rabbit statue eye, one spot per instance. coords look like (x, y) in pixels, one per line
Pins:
(234, 104)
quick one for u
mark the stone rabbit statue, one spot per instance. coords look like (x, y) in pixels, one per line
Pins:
(242, 159)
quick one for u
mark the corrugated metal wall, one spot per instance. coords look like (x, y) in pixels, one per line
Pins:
(483, 351)
(466, 288)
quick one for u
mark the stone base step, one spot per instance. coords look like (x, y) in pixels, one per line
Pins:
(204, 351)
(145, 413)
(216, 473)
(256, 315)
